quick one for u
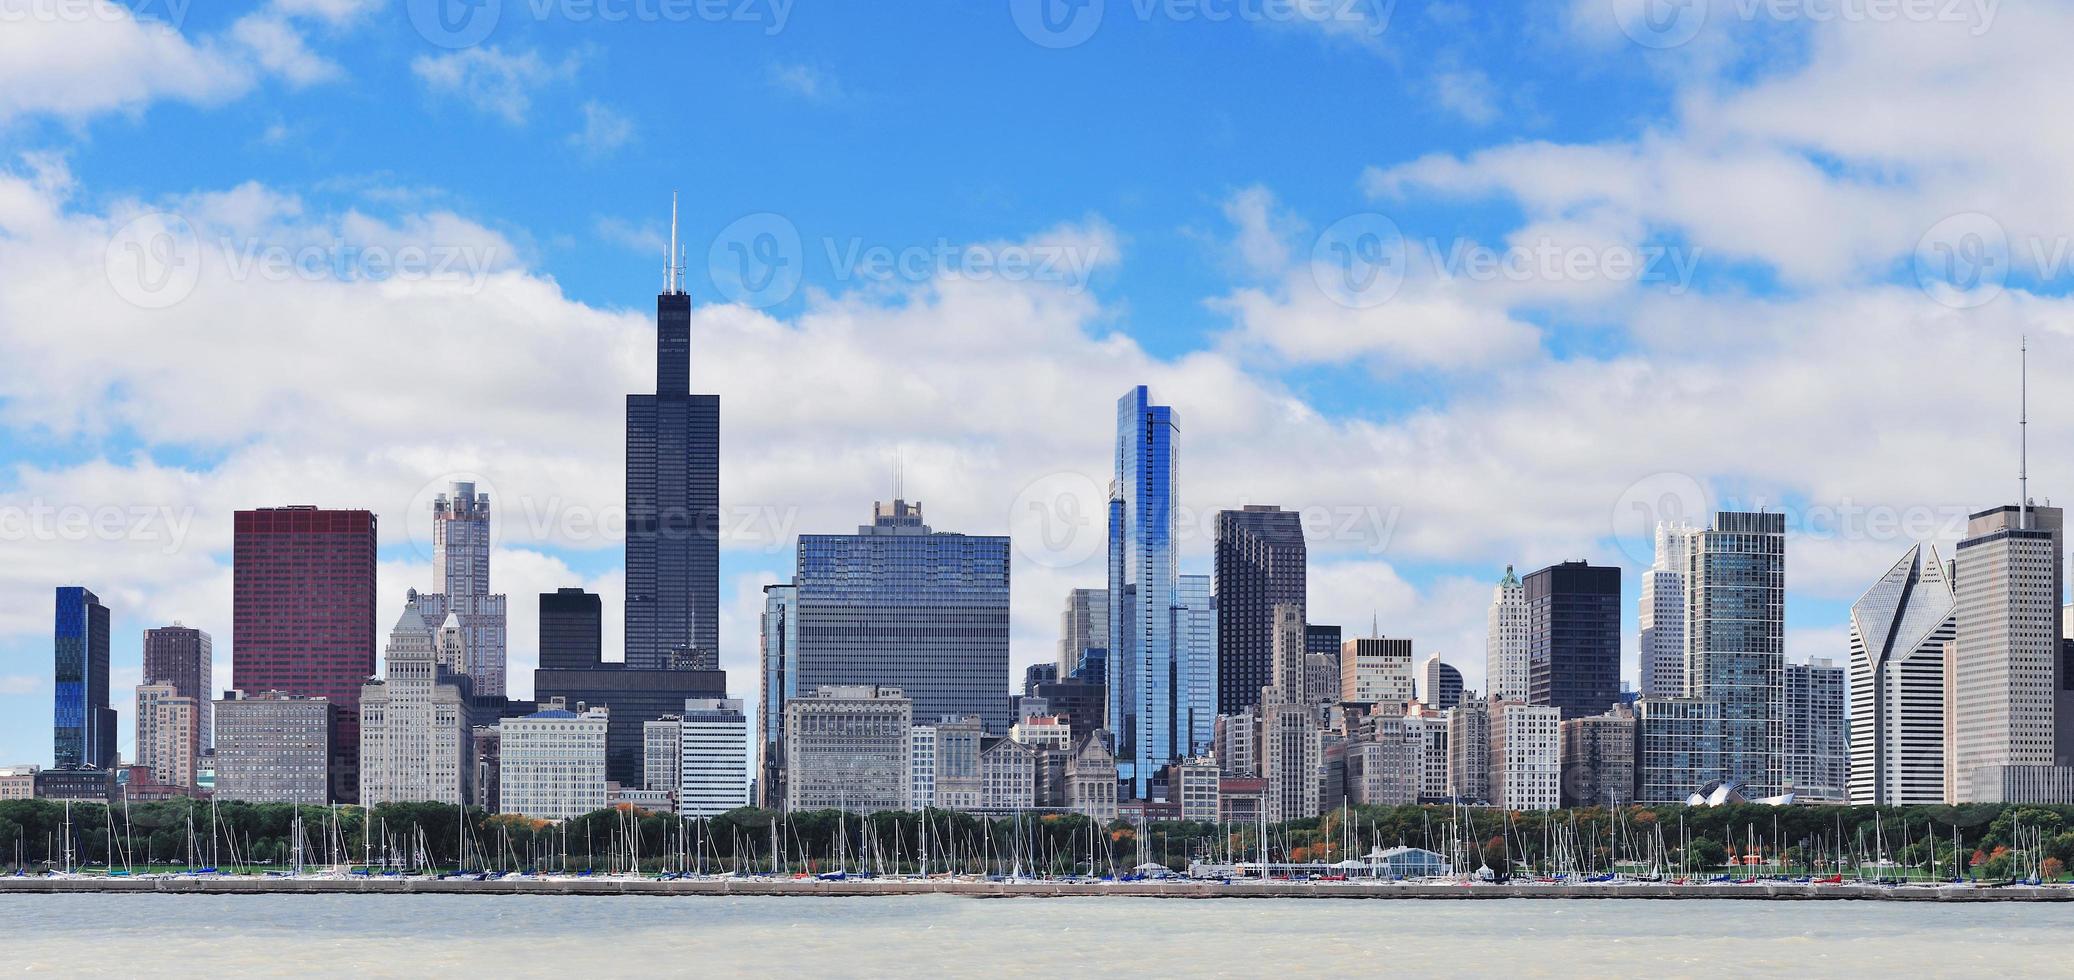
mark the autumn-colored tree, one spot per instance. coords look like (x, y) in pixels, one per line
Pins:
(2052, 867)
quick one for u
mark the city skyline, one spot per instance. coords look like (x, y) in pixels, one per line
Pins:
(1418, 439)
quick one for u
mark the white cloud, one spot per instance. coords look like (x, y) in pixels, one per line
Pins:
(279, 48)
(1467, 93)
(807, 82)
(604, 130)
(103, 61)
(491, 79)
(20, 684)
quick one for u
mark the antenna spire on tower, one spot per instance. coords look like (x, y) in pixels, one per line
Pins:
(673, 265)
(2023, 432)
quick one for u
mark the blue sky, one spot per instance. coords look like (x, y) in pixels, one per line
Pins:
(1843, 223)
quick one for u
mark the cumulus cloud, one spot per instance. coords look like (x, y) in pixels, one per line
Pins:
(491, 79)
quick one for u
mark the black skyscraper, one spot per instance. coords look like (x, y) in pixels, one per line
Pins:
(571, 627)
(673, 506)
(1259, 564)
(1573, 638)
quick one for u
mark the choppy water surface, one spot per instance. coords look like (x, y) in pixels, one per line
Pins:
(923, 936)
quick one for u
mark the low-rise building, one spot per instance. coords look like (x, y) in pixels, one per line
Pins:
(1043, 732)
(553, 761)
(273, 748)
(1194, 783)
(1599, 759)
(1008, 776)
(1091, 777)
(18, 782)
(847, 747)
(714, 773)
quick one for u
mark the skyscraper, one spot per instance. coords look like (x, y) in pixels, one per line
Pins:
(1291, 746)
(673, 501)
(168, 733)
(461, 584)
(1440, 686)
(571, 629)
(83, 725)
(1259, 564)
(1195, 633)
(899, 604)
(1899, 630)
(1143, 576)
(1816, 761)
(1735, 622)
(715, 758)
(1573, 638)
(302, 616)
(183, 657)
(2007, 672)
(779, 645)
(1663, 614)
(1084, 634)
(414, 723)
(1506, 670)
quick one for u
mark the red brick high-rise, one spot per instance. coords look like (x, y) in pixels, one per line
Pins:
(303, 616)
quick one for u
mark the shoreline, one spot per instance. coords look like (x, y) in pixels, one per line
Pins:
(863, 888)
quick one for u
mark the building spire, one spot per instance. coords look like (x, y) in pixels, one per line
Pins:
(2023, 433)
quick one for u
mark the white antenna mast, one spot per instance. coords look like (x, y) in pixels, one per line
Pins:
(672, 264)
(2023, 433)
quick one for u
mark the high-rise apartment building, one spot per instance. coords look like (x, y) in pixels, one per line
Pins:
(1899, 631)
(184, 657)
(1573, 638)
(1469, 750)
(715, 758)
(673, 505)
(1599, 759)
(461, 584)
(1144, 576)
(169, 734)
(83, 725)
(1735, 622)
(1506, 670)
(1678, 748)
(662, 747)
(1291, 743)
(898, 604)
(2007, 675)
(846, 747)
(303, 616)
(1816, 763)
(1663, 613)
(273, 747)
(552, 762)
(1195, 637)
(1260, 563)
(1440, 685)
(415, 737)
(1526, 756)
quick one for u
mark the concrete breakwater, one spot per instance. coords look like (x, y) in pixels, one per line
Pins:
(859, 888)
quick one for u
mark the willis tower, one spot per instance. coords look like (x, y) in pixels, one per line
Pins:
(673, 500)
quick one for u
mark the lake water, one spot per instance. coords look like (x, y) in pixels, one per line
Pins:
(925, 936)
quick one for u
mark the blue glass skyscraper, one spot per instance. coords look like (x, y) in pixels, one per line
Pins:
(83, 725)
(1144, 661)
(1195, 633)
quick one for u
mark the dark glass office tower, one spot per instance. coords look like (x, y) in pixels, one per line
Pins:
(83, 725)
(572, 624)
(1259, 565)
(673, 506)
(1573, 638)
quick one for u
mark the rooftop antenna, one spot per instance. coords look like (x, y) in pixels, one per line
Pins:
(2023, 433)
(673, 265)
(899, 476)
(1375, 625)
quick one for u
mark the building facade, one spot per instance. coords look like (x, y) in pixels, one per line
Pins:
(846, 747)
(1440, 685)
(1899, 631)
(1195, 637)
(169, 734)
(1526, 756)
(1084, 634)
(571, 630)
(416, 739)
(1506, 670)
(461, 584)
(1091, 777)
(1260, 562)
(662, 747)
(1377, 671)
(1735, 621)
(273, 747)
(715, 758)
(185, 658)
(1573, 637)
(1662, 613)
(552, 762)
(1291, 743)
(1678, 750)
(1469, 750)
(1144, 577)
(635, 696)
(83, 725)
(303, 616)
(1599, 759)
(673, 507)
(2007, 675)
(1817, 756)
